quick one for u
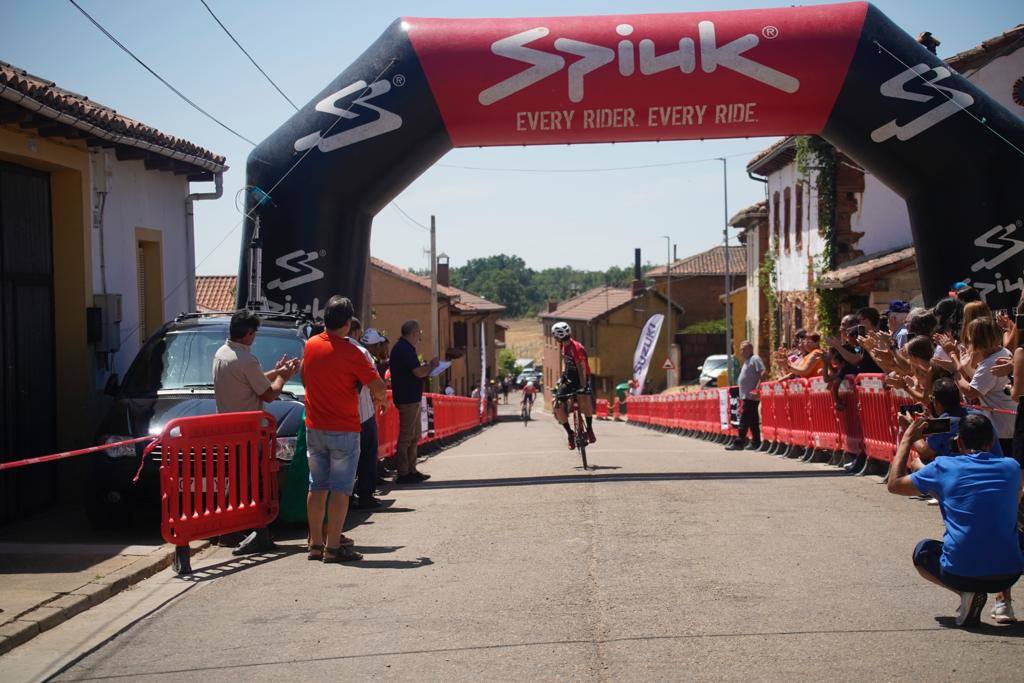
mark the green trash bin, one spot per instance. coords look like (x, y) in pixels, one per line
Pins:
(296, 483)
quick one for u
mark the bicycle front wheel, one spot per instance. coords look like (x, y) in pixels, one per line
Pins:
(581, 435)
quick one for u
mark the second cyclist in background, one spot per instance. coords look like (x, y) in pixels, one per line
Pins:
(529, 394)
(575, 379)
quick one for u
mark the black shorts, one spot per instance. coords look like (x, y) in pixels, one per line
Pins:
(927, 556)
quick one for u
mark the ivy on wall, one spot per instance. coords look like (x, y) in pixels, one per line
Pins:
(814, 154)
(768, 282)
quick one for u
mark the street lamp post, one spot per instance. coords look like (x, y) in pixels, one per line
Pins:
(728, 275)
(668, 309)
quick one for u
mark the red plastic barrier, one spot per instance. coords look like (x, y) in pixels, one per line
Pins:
(783, 430)
(798, 407)
(616, 409)
(769, 421)
(877, 416)
(601, 411)
(218, 474)
(851, 434)
(387, 431)
(821, 408)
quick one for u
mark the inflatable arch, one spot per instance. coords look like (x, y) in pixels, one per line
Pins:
(844, 71)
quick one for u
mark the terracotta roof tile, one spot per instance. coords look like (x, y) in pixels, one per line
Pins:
(78, 111)
(752, 214)
(462, 300)
(990, 49)
(874, 265)
(591, 304)
(215, 292)
(710, 262)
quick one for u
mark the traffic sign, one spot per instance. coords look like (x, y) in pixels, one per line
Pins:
(667, 365)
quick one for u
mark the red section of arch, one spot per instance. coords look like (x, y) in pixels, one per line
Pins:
(781, 77)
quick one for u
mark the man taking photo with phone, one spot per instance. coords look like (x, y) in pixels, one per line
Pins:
(978, 494)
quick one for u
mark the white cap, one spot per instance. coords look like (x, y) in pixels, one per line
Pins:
(372, 336)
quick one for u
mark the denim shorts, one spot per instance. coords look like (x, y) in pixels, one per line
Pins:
(333, 458)
(927, 556)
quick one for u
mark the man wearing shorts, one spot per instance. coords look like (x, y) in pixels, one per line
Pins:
(334, 370)
(978, 493)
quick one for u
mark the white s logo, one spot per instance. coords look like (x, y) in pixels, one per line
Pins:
(308, 273)
(385, 123)
(954, 101)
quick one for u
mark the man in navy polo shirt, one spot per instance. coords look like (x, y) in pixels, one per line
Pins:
(407, 375)
(978, 495)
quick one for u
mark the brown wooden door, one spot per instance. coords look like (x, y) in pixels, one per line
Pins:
(27, 382)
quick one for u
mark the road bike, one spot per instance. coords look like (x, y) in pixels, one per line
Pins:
(527, 408)
(579, 423)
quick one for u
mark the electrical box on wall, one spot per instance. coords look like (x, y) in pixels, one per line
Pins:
(105, 322)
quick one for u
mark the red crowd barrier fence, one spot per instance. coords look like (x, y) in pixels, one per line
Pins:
(218, 474)
(796, 412)
(601, 411)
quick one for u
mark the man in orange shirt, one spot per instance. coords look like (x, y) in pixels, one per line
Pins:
(334, 370)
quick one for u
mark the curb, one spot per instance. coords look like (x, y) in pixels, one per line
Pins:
(48, 615)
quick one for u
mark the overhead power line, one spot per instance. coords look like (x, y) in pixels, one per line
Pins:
(160, 78)
(246, 53)
(606, 169)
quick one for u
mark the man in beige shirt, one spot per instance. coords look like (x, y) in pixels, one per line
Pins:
(239, 383)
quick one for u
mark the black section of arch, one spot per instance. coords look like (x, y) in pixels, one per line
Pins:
(318, 219)
(961, 178)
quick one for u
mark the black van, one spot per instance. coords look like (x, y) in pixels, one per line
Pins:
(172, 377)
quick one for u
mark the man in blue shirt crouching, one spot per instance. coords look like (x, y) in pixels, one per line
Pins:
(978, 494)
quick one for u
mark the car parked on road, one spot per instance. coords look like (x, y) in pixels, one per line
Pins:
(171, 377)
(713, 367)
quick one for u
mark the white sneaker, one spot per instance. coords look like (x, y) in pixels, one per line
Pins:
(933, 501)
(1002, 613)
(971, 605)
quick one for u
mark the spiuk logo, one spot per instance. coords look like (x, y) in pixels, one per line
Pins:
(593, 57)
(297, 262)
(896, 87)
(385, 122)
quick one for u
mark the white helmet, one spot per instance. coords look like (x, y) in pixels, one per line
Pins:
(529, 384)
(561, 331)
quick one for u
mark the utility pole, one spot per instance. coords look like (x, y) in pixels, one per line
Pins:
(728, 274)
(668, 311)
(434, 338)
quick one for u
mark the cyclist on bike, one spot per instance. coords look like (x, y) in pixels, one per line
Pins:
(529, 393)
(575, 378)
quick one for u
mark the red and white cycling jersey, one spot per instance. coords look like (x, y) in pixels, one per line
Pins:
(577, 365)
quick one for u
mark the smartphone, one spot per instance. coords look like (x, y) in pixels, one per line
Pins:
(914, 409)
(938, 425)
(1020, 322)
(860, 331)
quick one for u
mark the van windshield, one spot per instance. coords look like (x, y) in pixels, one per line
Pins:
(183, 359)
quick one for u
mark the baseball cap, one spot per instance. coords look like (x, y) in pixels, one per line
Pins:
(372, 336)
(899, 307)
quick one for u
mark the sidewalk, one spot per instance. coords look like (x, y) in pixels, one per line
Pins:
(54, 566)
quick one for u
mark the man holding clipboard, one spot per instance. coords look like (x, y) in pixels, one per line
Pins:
(407, 375)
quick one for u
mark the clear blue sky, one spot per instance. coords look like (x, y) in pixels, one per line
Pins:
(303, 45)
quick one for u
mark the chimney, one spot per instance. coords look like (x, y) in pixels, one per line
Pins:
(442, 269)
(637, 286)
(552, 305)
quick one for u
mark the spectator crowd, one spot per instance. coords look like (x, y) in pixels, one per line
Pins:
(962, 444)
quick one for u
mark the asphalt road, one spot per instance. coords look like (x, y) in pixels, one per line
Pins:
(673, 560)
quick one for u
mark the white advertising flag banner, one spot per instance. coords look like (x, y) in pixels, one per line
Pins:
(645, 349)
(483, 367)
